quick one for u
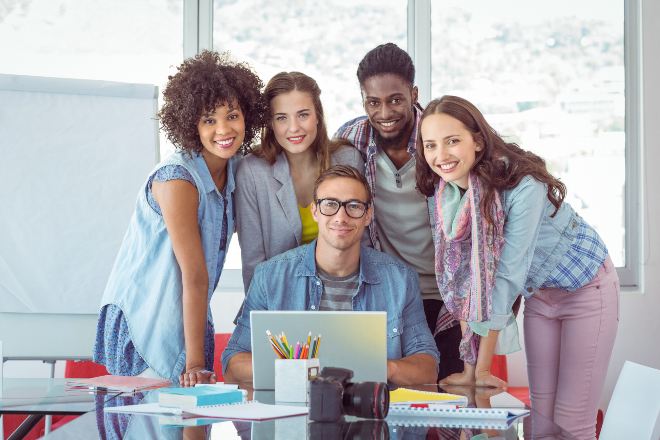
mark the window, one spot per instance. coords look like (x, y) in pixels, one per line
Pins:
(550, 77)
(133, 41)
(323, 39)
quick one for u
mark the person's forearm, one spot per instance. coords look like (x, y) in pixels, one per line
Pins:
(194, 320)
(419, 368)
(486, 351)
(239, 368)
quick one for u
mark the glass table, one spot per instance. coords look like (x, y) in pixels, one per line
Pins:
(97, 424)
(41, 397)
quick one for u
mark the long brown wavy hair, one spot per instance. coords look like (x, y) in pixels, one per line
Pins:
(495, 173)
(287, 82)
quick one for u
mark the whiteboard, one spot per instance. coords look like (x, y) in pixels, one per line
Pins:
(75, 154)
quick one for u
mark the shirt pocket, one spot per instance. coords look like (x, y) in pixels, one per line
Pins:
(204, 224)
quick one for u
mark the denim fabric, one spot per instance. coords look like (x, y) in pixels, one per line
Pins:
(289, 282)
(146, 279)
(535, 244)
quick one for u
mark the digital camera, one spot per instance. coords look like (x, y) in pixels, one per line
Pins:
(332, 395)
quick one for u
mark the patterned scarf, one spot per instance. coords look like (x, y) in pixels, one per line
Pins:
(467, 250)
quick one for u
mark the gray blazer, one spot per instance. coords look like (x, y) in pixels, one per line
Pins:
(267, 216)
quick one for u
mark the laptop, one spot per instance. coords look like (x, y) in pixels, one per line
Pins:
(353, 340)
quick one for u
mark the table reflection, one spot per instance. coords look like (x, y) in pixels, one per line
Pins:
(126, 426)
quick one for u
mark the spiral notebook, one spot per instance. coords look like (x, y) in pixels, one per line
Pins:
(452, 422)
(251, 410)
(434, 411)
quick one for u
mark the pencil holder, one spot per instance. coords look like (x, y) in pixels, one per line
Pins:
(292, 377)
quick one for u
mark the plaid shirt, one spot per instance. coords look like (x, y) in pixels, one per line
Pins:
(359, 132)
(580, 264)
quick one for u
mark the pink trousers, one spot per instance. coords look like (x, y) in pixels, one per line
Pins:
(569, 338)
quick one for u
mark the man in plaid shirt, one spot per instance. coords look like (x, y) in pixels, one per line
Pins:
(403, 222)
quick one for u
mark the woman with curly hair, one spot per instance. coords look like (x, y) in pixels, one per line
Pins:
(503, 230)
(275, 183)
(154, 319)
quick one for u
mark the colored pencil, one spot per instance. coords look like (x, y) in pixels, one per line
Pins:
(283, 343)
(304, 352)
(309, 340)
(272, 338)
(297, 352)
(316, 354)
(313, 348)
(277, 351)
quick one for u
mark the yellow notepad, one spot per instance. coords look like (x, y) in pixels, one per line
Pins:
(406, 395)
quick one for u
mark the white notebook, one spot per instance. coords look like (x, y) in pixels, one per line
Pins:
(251, 410)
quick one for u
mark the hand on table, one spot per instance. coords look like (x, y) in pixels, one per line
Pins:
(486, 379)
(197, 375)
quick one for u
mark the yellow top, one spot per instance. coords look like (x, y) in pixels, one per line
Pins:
(310, 229)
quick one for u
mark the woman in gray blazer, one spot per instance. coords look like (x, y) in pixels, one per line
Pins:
(275, 184)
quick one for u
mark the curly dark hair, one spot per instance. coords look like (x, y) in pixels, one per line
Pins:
(386, 58)
(203, 82)
(497, 174)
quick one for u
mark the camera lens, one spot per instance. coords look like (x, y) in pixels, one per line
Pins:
(369, 400)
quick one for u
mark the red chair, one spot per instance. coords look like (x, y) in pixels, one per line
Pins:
(221, 340)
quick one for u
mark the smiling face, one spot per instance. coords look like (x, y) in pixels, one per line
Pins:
(449, 148)
(294, 121)
(340, 231)
(388, 100)
(222, 131)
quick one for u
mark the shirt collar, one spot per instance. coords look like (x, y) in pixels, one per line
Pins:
(205, 174)
(308, 267)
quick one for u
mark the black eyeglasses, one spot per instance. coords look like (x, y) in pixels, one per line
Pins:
(353, 208)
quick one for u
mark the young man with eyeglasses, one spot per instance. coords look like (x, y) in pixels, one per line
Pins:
(335, 273)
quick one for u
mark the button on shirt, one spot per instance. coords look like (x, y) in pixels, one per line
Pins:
(289, 282)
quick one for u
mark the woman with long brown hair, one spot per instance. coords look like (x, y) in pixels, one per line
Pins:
(503, 230)
(275, 184)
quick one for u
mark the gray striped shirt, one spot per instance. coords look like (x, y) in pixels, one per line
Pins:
(338, 291)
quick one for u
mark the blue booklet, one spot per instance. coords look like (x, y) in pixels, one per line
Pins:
(198, 396)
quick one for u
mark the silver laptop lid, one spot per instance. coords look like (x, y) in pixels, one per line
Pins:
(353, 340)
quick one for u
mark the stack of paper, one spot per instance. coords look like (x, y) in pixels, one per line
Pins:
(123, 384)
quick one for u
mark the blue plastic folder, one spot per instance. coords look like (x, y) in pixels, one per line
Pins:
(198, 396)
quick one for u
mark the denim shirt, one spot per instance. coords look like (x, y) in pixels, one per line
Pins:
(146, 278)
(534, 245)
(289, 282)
